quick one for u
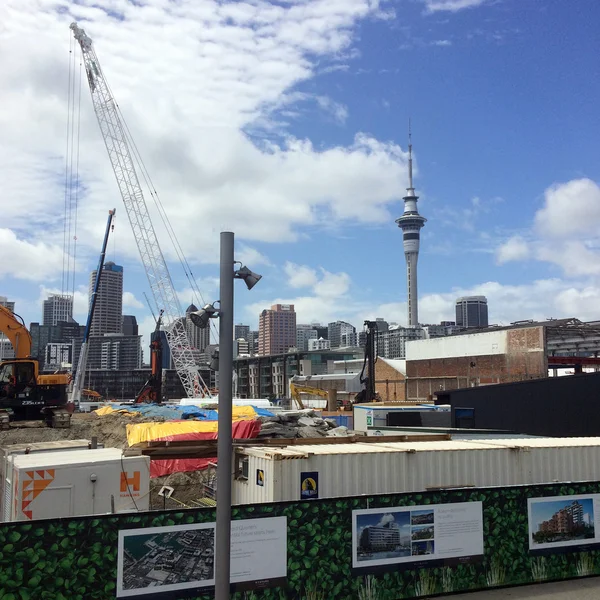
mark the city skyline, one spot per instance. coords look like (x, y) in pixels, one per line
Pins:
(325, 135)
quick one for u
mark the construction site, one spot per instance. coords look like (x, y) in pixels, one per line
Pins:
(470, 463)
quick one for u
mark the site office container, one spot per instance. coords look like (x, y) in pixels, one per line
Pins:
(376, 415)
(81, 482)
(33, 448)
(263, 474)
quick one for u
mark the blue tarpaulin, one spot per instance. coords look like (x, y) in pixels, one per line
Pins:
(176, 413)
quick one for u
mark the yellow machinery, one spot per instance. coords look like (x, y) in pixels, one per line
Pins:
(22, 389)
(296, 390)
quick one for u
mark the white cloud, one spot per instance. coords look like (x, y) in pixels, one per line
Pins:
(130, 301)
(328, 300)
(515, 248)
(300, 276)
(442, 43)
(196, 79)
(332, 285)
(574, 257)
(451, 5)
(570, 209)
(338, 111)
(565, 231)
(24, 259)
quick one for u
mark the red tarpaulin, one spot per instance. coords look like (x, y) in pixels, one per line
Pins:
(240, 430)
(161, 467)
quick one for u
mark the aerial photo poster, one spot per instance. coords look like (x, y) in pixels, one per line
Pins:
(156, 560)
(392, 536)
(562, 522)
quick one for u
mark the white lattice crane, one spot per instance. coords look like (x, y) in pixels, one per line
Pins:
(114, 133)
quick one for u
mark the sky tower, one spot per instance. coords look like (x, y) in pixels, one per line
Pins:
(410, 223)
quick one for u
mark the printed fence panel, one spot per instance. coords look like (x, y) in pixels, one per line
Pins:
(381, 547)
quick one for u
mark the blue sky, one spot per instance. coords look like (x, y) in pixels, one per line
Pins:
(286, 122)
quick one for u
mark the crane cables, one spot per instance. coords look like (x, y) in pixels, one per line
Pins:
(162, 213)
(71, 191)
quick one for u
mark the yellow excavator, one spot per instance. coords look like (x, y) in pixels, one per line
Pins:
(296, 390)
(23, 391)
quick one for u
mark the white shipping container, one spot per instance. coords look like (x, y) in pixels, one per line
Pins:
(264, 474)
(32, 448)
(81, 482)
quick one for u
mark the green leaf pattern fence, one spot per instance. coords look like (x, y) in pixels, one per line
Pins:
(76, 559)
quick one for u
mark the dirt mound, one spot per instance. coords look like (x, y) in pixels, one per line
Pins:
(110, 430)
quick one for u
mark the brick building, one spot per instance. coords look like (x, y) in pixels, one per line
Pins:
(521, 352)
(471, 360)
(390, 379)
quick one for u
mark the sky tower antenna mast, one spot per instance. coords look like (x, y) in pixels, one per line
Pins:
(410, 223)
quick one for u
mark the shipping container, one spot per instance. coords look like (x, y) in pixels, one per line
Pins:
(264, 474)
(382, 415)
(32, 448)
(81, 482)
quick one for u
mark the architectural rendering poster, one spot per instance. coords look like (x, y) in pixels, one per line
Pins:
(157, 560)
(389, 536)
(562, 521)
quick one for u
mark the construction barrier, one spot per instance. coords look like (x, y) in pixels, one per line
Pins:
(377, 547)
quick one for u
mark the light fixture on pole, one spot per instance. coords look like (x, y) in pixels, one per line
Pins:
(201, 318)
(250, 278)
(224, 439)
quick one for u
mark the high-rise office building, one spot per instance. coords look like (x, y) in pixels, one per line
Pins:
(276, 329)
(253, 342)
(108, 313)
(130, 325)
(410, 223)
(337, 329)
(57, 308)
(322, 330)
(240, 332)
(4, 301)
(304, 333)
(471, 312)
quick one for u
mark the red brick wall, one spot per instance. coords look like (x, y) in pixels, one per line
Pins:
(389, 383)
(525, 359)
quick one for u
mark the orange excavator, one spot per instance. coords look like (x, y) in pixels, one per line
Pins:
(23, 391)
(152, 390)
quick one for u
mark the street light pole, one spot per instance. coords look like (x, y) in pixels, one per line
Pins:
(224, 441)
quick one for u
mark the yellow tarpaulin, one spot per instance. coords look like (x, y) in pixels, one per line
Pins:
(188, 430)
(107, 410)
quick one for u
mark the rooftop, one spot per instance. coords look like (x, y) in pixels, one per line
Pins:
(304, 451)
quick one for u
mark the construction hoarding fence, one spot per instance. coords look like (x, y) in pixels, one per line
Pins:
(390, 546)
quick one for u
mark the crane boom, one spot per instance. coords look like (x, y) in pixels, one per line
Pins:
(159, 278)
(83, 354)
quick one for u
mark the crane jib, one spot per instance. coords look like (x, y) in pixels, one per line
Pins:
(115, 134)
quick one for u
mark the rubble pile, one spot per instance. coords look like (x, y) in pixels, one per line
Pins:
(300, 424)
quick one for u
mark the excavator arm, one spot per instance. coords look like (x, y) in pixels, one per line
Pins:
(13, 327)
(296, 390)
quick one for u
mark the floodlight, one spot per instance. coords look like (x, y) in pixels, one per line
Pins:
(250, 278)
(201, 317)
(214, 361)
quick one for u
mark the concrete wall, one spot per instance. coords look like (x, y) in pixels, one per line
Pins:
(390, 384)
(474, 360)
